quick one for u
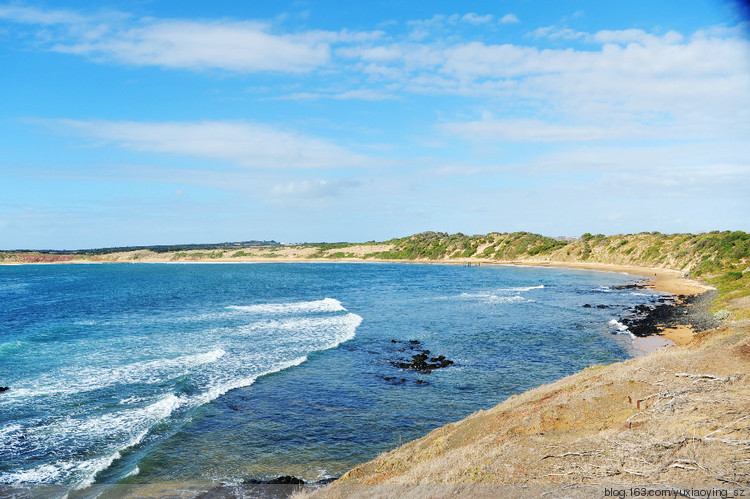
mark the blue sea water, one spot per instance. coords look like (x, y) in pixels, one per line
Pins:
(137, 373)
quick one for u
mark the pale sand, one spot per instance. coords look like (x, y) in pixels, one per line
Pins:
(666, 280)
(682, 335)
(650, 344)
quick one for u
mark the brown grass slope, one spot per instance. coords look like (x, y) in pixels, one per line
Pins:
(680, 415)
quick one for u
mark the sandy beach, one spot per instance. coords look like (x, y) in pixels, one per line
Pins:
(665, 280)
(669, 281)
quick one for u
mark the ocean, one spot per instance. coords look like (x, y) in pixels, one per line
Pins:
(141, 373)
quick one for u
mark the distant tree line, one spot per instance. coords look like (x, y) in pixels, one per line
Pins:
(159, 248)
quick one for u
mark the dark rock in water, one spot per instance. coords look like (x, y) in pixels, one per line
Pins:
(692, 311)
(4, 388)
(394, 380)
(637, 285)
(419, 382)
(587, 305)
(602, 306)
(420, 361)
(287, 480)
(394, 341)
(281, 480)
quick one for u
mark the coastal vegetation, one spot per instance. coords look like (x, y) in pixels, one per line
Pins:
(719, 258)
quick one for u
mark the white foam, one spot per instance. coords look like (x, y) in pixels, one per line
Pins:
(218, 390)
(525, 288)
(45, 473)
(324, 305)
(493, 298)
(70, 381)
(284, 340)
(621, 328)
(130, 425)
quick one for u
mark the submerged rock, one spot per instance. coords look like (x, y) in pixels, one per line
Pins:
(637, 285)
(281, 480)
(422, 362)
(287, 480)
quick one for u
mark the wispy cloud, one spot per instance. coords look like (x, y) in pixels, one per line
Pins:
(474, 18)
(32, 15)
(527, 131)
(509, 19)
(245, 144)
(246, 46)
(241, 47)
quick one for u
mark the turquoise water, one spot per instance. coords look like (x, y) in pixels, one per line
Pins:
(135, 373)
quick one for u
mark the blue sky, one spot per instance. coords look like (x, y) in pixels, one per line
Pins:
(159, 122)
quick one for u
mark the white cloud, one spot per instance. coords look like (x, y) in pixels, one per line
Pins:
(474, 18)
(380, 53)
(241, 47)
(240, 143)
(639, 36)
(557, 33)
(509, 19)
(634, 84)
(524, 131)
(197, 45)
(31, 15)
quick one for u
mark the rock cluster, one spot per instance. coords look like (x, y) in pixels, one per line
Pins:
(421, 361)
(685, 310)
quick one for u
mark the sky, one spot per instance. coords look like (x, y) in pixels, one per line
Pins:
(137, 122)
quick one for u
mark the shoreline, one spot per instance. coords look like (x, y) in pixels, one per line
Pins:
(673, 282)
(663, 279)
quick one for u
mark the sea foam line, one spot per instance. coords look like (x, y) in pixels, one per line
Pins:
(493, 298)
(322, 333)
(621, 328)
(95, 378)
(324, 305)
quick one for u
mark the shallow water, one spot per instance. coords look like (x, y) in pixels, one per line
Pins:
(137, 373)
